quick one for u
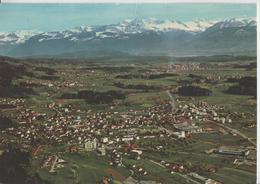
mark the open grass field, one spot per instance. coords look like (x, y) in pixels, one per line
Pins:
(228, 175)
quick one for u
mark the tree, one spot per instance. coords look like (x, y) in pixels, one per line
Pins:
(16, 168)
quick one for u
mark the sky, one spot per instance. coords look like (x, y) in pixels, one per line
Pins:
(56, 17)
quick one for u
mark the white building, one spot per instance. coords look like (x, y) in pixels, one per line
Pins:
(91, 145)
(180, 134)
(202, 179)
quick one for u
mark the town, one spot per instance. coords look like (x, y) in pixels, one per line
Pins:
(133, 123)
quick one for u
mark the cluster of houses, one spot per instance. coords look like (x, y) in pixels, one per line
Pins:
(251, 125)
(138, 171)
(203, 112)
(116, 158)
(27, 116)
(114, 133)
(67, 125)
(241, 155)
(186, 66)
(57, 84)
(175, 167)
(202, 179)
(181, 168)
(11, 103)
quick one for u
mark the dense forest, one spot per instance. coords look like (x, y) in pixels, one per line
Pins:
(193, 91)
(95, 97)
(245, 86)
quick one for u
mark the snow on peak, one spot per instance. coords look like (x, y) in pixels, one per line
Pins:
(16, 37)
(235, 22)
(152, 24)
(81, 29)
(127, 26)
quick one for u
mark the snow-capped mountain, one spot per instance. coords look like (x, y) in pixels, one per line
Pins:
(169, 25)
(17, 37)
(134, 35)
(234, 22)
(125, 27)
(142, 25)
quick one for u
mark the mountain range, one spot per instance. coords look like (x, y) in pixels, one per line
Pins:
(137, 37)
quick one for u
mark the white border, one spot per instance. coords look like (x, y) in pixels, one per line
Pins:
(178, 1)
(258, 88)
(130, 1)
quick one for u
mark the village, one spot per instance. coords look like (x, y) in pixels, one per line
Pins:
(116, 137)
(189, 139)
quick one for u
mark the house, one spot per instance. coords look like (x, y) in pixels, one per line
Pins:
(73, 149)
(202, 179)
(180, 134)
(91, 145)
(233, 151)
(188, 128)
(105, 139)
(128, 138)
(136, 154)
(102, 150)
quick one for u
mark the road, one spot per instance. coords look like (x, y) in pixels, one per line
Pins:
(54, 164)
(165, 129)
(234, 131)
(37, 150)
(171, 98)
(182, 175)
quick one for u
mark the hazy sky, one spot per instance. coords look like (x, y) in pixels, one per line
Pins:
(51, 17)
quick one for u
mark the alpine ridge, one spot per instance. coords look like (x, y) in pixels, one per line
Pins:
(137, 37)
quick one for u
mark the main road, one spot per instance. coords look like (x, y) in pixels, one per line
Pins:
(181, 175)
